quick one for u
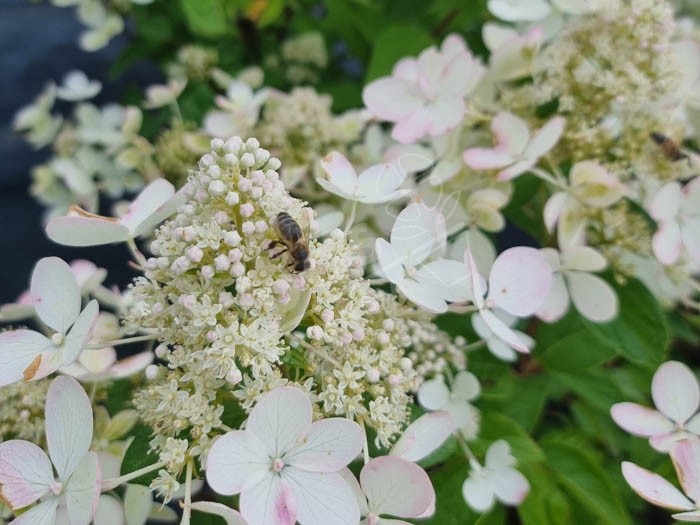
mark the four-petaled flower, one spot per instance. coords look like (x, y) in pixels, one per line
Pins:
(434, 394)
(26, 474)
(285, 467)
(676, 394)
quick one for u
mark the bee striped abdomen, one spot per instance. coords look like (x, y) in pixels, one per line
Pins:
(289, 228)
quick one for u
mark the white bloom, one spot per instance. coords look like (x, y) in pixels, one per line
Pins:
(496, 345)
(240, 111)
(77, 86)
(160, 95)
(425, 435)
(435, 395)
(519, 10)
(26, 354)
(677, 212)
(284, 466)
(26, 472)
(496, 480)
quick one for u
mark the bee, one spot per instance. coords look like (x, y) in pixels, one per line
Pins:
(294, 240)
(668, 146)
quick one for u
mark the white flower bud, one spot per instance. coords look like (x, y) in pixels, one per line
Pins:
(247, 160)
(152, 372)
(232, 198)
(214, 171)
(252, 143)
(406, 364)
(217, 187)
(234, 376)
(247, 209)
(373, 375)
(232, 238)
(208, 271)
(337, 235)
(274, 163)
(194, 253)
(248, 227)
(216, 143)
(315, 333)
(237, 270)
(161, 351)
(245, 185)
(230, 159)
(222, 263)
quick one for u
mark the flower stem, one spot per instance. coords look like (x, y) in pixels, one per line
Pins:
(140, 259)
(187, 505)
(351, 217)
(116, 342)
(110, 483)
(365, 448)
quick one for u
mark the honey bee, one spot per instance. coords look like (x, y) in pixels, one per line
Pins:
(295, 241)
(668, 146)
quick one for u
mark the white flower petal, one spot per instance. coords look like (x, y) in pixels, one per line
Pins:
(86, 231)
(498, 455)
(137, 503)
(25, 473)
(42, 514)
(270, 502)
(512, 133)
(545, 138)
(55, 293)
(675, 391)
(390, 98)
(466, 386)
(82, 490)
(340, 176)
(154, 204)
(667, 243)
(230, 516)
(654, 489)
(322, 498)
(280, 418)
(110, 511)
(510, 486)
(81, 332)
(433, 394)
(520, 280)
(686, 459)
(68, 424)
(557, 303)
(425, 435)
(396, 486)
(477, 493)
(666, 202)
(584, 258)
(519, 10)
(487, 158)
(236, 461)
(640, 420)
(19, 350)
(390, 261)
(594, 298)
(329, 446)
(502, 331)
(380, 183)
(553, 209)
(416, 232)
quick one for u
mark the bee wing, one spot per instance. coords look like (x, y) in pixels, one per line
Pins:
(306, 230)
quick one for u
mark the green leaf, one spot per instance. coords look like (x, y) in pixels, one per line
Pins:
(546, 504)
(585, 480)
(524, 211)
(206, 18)
(139, 455)
(202, 518)
(497, 426)
(393, 44)
(639, 333)
(450, 507)
(593, 385)
(580, 348)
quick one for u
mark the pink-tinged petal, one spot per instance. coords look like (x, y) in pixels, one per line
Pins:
(131, 365)
(416, 232)
(230, 516)
(424, 436)
(639, 420)
(667, 243)
(510, 486)
(81, 332)
(68, 424)
(97, 361)
(511, 133)
(406, 69)
(545, 138)
(237, 461)
(594, 298)
(675, 391)
(520, 280)
(445, 114)
(355, 488)
(380, 183)
(666, 203)
(487, 159)
(690, 235)
(109, 511)
(412, 127)
(466, 386)
(553, 209)
(269, 502)
(390, 98)
(654, 489)
(329, 446)
(82, 491)
(25, 473)
(557, 303)
(397, 487)
(87, 274)
(339, 175)
(693, 516)
(281, 418)
(502, 331)
(390, 261)
(55, 293)
(498, 456)
(665, 442)
(477, 493)
(19, 350)
(520, 167)
(478, 285)
(86, 231)
(42, 514)
(143, 216)
(691, 196)
(686, 459)
(433, 394)
(323, 498)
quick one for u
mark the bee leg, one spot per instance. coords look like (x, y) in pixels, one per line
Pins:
(284, 249)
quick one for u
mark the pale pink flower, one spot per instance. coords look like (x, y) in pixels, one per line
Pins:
(676, 395)
(677, 212)
(154, 204)
(496, 345)
(495, 480)
(434, 394)
(519, 283)
(425, 435)
(27, 354)
(284, 466)
(101, 365)
(26, 472)
(685, 455)
(574, 283)
(425, 96)
(516, 151)
(390, 485)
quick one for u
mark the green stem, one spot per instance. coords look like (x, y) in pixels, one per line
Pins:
(351, 217)
(116, 342)
(110, 483)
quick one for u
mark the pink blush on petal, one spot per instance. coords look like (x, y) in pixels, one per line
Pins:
(285, 506)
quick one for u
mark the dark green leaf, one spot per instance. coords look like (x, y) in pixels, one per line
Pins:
(497, 426)
(206, 18)
(139, 455)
